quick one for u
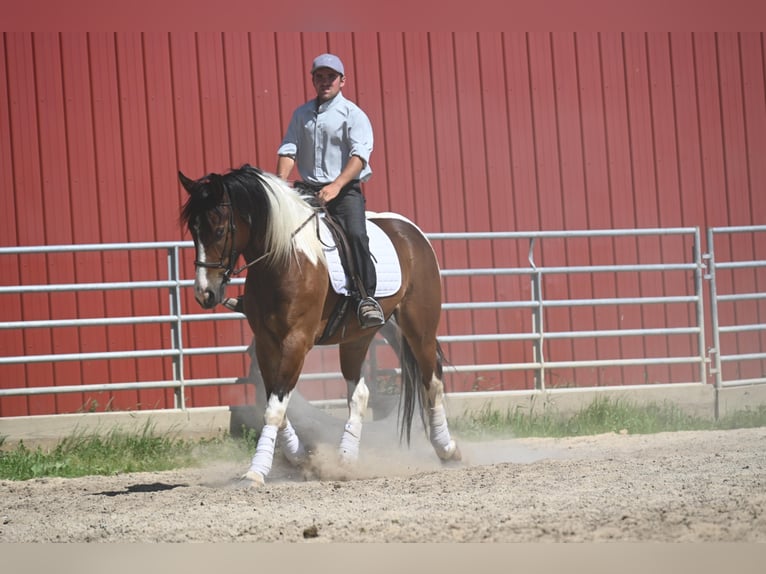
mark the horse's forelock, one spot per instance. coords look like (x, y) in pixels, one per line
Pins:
(204, 195)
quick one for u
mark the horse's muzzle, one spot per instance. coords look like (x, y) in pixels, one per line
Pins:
(207, 298)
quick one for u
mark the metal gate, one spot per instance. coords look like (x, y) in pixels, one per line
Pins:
(737, 306)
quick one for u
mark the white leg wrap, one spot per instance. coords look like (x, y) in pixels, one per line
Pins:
(440, 437)
(352, 433)
(264, 452)
(274, 418)
(290, 444)
(349, 442)
(443, 444)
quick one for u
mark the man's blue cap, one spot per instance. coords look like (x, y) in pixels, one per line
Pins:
(328, 61)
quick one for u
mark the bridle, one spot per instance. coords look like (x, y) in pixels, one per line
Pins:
(228, 269)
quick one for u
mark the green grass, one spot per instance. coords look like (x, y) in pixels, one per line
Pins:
(114, 453)
(119, 452)
(601, 416)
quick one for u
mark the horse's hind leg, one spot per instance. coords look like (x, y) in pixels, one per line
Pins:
(444, 445)
(421, 343)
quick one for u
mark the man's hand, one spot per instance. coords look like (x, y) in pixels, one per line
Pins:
(329, 192)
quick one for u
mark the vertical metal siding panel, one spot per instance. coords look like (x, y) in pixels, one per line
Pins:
(553, 251)
(85, 213)
(712, 152)
(472, 92)
(343, 44)
(546, 134)
(163, 164)
(267, 104)
(294, 77)
(735, 130)
(428, 196)
(426, 193)
(754, 92)
(239, 97)
(394, 131)
(753, 69)
(451, 185)
(497, 193)
(597, 198)
(573, 200)
(711, 130)
(312, 44)
(732, 115)
(139, 201)
(191, 161)
(113, 214)
(645, 179)
(621, 189)
(526, 212)
(689, 152)
(56, 207)
(669, 198)
(11, 376)
(30, 204)
(367, 81)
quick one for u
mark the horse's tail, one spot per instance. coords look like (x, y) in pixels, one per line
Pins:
(413, 390)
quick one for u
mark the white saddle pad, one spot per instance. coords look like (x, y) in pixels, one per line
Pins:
(383, 255)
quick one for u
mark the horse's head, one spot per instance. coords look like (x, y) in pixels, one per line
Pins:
(211, 220)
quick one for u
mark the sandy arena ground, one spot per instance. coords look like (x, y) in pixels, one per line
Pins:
(686, 486)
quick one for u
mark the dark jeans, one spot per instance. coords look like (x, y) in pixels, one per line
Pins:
(348, 210)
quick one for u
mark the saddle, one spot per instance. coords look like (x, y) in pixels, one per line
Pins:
(353, 280)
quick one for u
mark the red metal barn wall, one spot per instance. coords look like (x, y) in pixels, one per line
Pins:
(474, 132)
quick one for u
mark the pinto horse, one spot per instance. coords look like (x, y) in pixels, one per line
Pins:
(288, 301)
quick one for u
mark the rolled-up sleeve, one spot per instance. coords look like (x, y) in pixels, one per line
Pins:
(360, 135)
(289, 145)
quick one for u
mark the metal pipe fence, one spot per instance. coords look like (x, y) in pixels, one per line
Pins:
(539, 339)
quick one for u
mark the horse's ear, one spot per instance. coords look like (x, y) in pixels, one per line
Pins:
(186, 182)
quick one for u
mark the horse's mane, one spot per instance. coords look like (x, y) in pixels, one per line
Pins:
(265, 200)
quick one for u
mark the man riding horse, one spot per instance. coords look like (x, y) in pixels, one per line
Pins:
(330, 141)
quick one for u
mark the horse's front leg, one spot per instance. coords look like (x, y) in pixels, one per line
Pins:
(287, 438)
(275, 418)
(359, 395)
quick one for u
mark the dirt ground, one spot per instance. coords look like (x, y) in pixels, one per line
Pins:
(685, 487)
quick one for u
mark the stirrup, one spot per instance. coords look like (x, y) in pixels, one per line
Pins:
(234, 304)
(369, 313)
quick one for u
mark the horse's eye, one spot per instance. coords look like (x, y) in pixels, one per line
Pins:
(219, 232)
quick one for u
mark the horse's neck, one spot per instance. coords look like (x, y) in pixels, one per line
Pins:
(250, 243)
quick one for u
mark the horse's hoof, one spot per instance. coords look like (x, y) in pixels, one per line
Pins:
(256, 479)
(451, 454)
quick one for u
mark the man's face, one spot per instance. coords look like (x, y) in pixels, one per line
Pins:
(327, 83)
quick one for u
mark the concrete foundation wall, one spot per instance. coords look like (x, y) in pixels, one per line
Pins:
(692, 398)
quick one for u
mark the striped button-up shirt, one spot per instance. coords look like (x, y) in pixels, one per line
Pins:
(322, 139)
